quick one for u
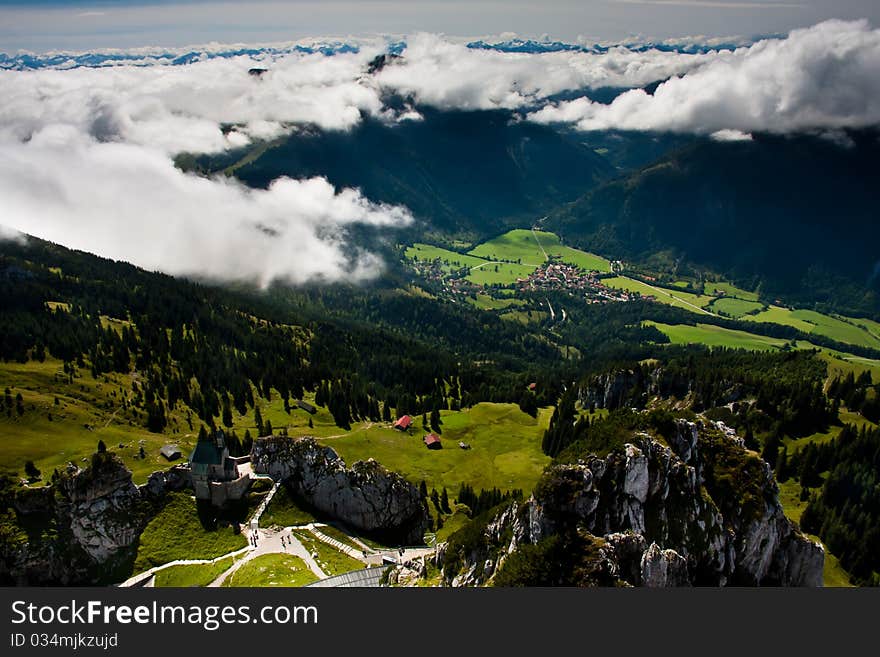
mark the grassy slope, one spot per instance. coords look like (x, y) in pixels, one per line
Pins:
(89, 410)
(837, 329)
(525, 246)
(195, 575)
(716, 336)
(331, 560)
(501, 273)
(789, 497)
(272, 570)
(284, 511)
(731, 290)
(839, 364)
(516, 245)
(485, 302)
(505, 449)
(450, 260)
(177, 533)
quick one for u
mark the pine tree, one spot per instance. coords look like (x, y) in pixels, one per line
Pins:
(435, 420)
(444, 501)
(258, 420)
(31, 470)
(268, 428)
(102, 448)
(227, 412)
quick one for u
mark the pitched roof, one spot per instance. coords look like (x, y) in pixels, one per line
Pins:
(403, 423)
(206, 452)
(170, 451)
(431, 438)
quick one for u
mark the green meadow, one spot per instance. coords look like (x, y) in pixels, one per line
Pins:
(730, 290)
(178, 532)
(272, 570)
(63, 421)
(528, 247)
(449, 260)
(485, 302)
(330, 560)
(504, 259)
(686, 300)
(517, 245)
(505, 449)
(733, 307)
(811, 321)
(500, 273)
(716, 336)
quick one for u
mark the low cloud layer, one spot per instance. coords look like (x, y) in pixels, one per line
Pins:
(825, 77)
(128, 202)
(86, 155)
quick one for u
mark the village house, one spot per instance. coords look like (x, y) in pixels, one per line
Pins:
(432, 441)
(170, 452)
(404, 423)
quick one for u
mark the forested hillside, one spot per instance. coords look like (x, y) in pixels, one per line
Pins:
(797, 213)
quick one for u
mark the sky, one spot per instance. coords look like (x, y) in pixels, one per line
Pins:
(46, 25)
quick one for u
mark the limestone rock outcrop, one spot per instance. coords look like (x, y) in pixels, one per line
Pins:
(89, 522)
(702, 510)
(366, 495)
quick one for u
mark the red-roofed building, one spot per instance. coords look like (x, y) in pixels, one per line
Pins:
(432, 441)
(404, 423)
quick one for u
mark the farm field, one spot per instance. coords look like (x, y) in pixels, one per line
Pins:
(734, 307)
(811, 321)
(517, 245)
(686, 300)
(716, 336)
(504, 259)
(730, 290)
(501, 273)
(525, 246)
(839, 363)
(450, 260)
(485, 302)
(505, 449)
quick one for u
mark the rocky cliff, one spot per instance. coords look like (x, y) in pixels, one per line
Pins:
(696, 508)
(82, 529)
(366, 496)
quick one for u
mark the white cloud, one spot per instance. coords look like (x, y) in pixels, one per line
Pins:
(128, 202)
(449, 75)
(180, 108)
(731, 135)
(86, 154)
(823, 77)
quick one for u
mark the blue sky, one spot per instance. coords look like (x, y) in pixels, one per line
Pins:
(42, 25)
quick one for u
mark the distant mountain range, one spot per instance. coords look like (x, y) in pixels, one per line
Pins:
(23, 61)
